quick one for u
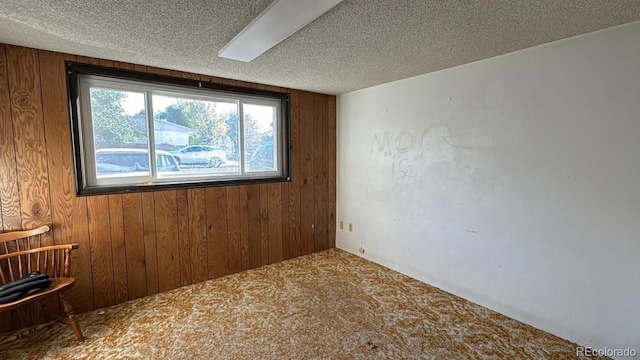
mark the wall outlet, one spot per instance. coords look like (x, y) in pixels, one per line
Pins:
(341, 225)
(361, 250)
(350, 227)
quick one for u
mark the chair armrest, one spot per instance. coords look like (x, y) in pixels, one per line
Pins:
(40, 249)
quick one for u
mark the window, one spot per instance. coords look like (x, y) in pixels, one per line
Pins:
(199, 134)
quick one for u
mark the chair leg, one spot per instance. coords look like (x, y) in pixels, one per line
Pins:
(71, 318)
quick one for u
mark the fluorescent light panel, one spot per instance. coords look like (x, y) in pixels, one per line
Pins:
(277, 22)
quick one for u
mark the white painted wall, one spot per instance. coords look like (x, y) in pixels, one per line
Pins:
(513, 182)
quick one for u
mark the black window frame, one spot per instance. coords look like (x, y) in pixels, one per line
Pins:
(75, 70)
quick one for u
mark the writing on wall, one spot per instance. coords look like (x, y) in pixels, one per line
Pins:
(411, 152)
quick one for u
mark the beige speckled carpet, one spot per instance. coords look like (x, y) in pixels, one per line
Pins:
(328, 305)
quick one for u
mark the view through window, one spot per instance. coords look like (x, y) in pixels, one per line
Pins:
(195, 136)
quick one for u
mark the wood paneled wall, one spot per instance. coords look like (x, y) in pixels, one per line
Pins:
(134, 245)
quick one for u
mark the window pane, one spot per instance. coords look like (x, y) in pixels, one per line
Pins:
(202, 135)
(112, 162)
(142, 133)
(119, 133)
(260, 137)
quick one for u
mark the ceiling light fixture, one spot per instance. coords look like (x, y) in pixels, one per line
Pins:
(277, 22)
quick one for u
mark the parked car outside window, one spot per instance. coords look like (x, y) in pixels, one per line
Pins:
(132, 162)
(200, 155)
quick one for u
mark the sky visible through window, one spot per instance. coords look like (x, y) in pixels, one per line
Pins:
(134, 103)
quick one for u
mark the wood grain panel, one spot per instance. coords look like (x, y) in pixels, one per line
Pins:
(198, 235)
(9, 193)
(230, 81)
(182, 201)
(243, 206)
(274, 210)
(286, 228)
(296, 178)
(319, 118)
(185, 75)
(150, 243)
(167, 239)
(134, 245)
(325, 171)
(101, 255)
(233, 229)
(264, 224)
(105, 62)
(30, 152)
(88, 60)
(69, 212)
(330, 151)
(217, 232)
(253, 207)
(307, 221)
(82, 269)
(30, 148)
(119, 260)
(141, 68)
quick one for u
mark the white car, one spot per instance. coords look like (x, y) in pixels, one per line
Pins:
(200, 155)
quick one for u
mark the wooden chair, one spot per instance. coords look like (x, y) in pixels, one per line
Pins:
(22, 253)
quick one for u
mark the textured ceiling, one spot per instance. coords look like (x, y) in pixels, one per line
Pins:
(357, 44)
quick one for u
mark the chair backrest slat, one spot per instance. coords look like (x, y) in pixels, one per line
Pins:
(20, 274)
(10, 268)
(46, 263)
(55, 263)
